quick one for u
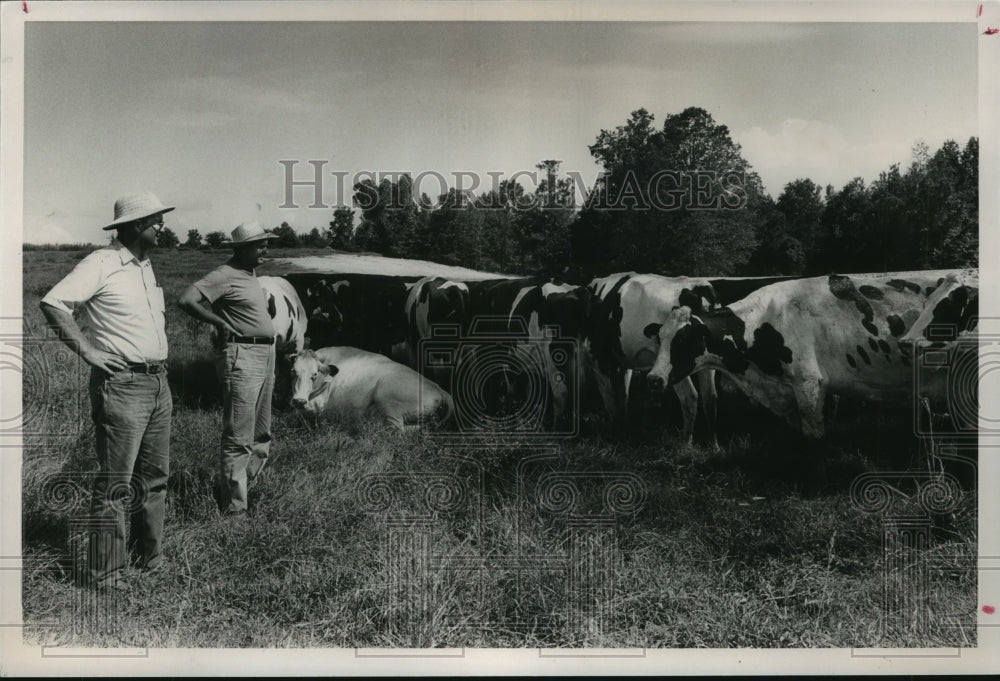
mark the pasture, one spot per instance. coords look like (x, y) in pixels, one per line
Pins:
(360, 536)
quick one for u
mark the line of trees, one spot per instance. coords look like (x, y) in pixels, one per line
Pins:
(287, 238)
(674, 199)
(681, 199)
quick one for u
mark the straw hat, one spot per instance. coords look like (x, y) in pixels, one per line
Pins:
(135, 207)
(249, 232)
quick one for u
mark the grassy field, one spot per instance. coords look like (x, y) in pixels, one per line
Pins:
(363, 537)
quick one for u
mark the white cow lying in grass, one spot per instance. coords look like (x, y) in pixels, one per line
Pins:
(352, 381)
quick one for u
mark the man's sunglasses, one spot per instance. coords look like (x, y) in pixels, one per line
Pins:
(156, 221)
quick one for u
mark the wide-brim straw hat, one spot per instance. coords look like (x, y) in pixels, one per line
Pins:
(249, 232)
(133, 207)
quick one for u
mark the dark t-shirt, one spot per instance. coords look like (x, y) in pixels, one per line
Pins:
(237, 296)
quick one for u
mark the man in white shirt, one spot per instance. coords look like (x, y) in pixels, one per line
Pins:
(121, 307)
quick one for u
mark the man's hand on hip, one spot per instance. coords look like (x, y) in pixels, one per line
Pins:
(105, 361)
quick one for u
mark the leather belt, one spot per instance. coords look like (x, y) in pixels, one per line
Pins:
(257, 340)
(146, 367)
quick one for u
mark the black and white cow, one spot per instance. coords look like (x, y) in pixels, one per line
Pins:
(790, 344)
(627, 309)
(549, 321)
(365, 311)
(950, 313)
(538, 325)
(287, 313)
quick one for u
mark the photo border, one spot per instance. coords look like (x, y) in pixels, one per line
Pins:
(21, 659)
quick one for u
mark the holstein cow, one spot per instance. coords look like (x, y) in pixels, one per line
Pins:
(950, 313)
(943, 343)
(549, 321)
(789, 344)
(434, 301)
(626, 307)
(353, 381)
(538, 326)
(365, 311)
(289, 319)
(286, 311)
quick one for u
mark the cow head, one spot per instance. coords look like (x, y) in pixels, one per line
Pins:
(309, 377)
(950, 312)
(700, 298)
(682, 340)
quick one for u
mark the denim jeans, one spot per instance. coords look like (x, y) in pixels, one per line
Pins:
(248, 381)
(131, 413)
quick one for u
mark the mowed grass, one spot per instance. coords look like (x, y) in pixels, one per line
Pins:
(364, 537)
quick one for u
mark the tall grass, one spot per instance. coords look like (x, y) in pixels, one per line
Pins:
(361, 536)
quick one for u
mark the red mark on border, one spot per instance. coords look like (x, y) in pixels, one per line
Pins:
(980, 13)
(989, 609)
(991, 31)
(24, 5)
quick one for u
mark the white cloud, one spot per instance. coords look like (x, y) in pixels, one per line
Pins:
(816, 150)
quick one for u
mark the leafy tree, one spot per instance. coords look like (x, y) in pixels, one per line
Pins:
(778, 252)
(167, 239)
(193, 239)
(287, 237)
(843, 225)
(544, 228)
(680, 199)
(314, 239)
(215, 239)
(949, 192)
(390, 222)
(501, 231)
(801, 206)
(924, 218)
(341, 232)
(447, 227)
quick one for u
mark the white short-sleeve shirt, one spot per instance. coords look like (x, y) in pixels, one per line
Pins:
(121, 305)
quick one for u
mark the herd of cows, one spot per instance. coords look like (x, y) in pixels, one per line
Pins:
(514, 354)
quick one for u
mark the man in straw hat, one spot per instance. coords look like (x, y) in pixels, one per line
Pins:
(239, 314)
(121, 306)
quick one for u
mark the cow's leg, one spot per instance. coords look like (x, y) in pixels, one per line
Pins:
(834, 407)
(397, 421)
(709, 405)
(609, 385)
(810, 395)
(689, 407)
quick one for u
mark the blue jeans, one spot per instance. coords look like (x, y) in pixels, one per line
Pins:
(247, 383)
(131, 413)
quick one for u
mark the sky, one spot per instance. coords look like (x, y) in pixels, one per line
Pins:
(202, 114)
